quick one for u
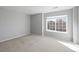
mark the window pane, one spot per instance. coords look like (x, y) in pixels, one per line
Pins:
(59, 24)
(51, 25)
(64, 30)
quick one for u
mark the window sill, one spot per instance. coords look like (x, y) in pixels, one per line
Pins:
(56, 31)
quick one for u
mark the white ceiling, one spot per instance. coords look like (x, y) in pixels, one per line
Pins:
(35, 9)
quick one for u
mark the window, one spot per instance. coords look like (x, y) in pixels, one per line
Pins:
(57, 23)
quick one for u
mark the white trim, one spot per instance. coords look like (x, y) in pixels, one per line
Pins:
(56, 31)
(17, 36)
(51, 17)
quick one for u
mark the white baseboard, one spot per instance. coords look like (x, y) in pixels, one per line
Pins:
(17, 36)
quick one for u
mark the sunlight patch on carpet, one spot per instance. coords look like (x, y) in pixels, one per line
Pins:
(73, 46)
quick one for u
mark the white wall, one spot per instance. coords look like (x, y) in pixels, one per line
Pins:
(12, 25)
(63, 36)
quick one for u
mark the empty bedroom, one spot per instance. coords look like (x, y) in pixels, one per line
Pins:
(39, 29)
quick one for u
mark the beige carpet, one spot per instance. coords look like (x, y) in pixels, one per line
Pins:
(33, 43)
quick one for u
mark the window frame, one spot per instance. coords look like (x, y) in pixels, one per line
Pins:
(50, 19)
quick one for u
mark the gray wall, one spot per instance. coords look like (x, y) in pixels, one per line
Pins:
(27, 24)
(78, 28)
(12, 25)
(75, 24)
(63, 36)
(36, 24)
